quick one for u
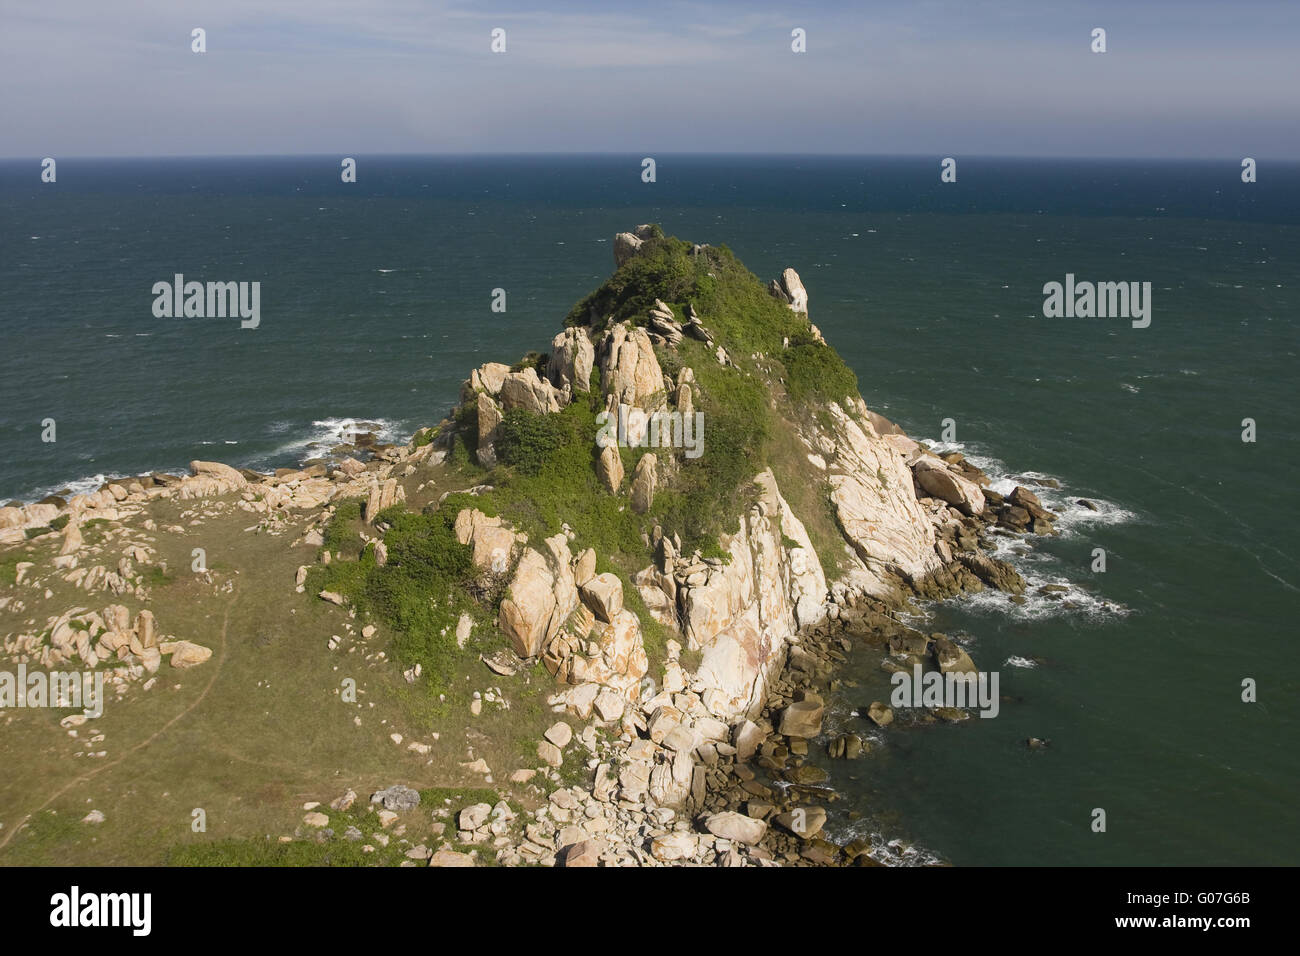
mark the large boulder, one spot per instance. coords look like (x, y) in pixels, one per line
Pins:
(584, 853)
(489, 417)
(994, 573)
(446, 857)
(644, 480)
(626, 246)
(584, 567)
(609, 468)
(185, 653)
(604, 595)
(209, 478)
(146, 629)
(383, 494)
(561, 563)
(803, 718)
(72, 540)
(1022, 497)
(493, 543)
(629, 368)
(529, 605)
(530, 391)
(736, 827)
(803, 822)
(620, 660)
(215, 469)
(794, 291)
(486, 378)
(541, 597)
(939, 481)
(951, 658)
(572, 359)
(397, 798)
(670, 781)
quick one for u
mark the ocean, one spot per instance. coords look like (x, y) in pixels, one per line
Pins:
(376, 300)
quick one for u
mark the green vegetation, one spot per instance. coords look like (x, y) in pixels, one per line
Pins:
(420, 593)
(664, 269)
(527, 440)
(545, 476)
(329, 845)
(464, 440)
(533, 360)
(43, 839)
(157, 577)
(341, 534)
(815, 372)
(780, 372)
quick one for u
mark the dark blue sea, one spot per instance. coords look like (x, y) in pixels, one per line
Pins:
(376, 301)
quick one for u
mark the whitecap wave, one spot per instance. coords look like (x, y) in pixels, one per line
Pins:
(1039, 569)
(886, 850)
(1036, 605)
(1071, 515)
(67, 489)
(311, 441)
(324, 434)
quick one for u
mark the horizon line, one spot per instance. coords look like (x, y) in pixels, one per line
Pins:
(551, 154)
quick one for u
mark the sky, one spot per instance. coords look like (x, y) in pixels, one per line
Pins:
(1184, 79)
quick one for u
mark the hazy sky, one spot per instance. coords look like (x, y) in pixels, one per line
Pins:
(1014, 77)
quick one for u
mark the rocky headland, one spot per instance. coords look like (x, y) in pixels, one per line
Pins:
(686, 612)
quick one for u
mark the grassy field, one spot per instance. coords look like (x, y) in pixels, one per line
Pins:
(253, 733)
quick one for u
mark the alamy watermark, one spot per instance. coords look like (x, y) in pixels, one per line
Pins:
(1102, 300)
(128, 910)
(211, 300)
(637, 428)
(57, 689)
(937, 689)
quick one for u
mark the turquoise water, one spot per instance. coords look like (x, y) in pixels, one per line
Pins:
(376, 302)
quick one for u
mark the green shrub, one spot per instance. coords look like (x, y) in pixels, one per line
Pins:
(527, 440)
(420, 593)
(815, 372)
(663, 268)
(341, 533)
(533, 360)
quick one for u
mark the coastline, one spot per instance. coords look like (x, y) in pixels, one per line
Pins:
(681, 672)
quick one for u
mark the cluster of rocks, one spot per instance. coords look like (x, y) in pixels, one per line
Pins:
(740, 612)
(558, 608)
(665, 330)
(654, 799)
(954, 480)
(86, 638)
(286, 489)
(1022, 511)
